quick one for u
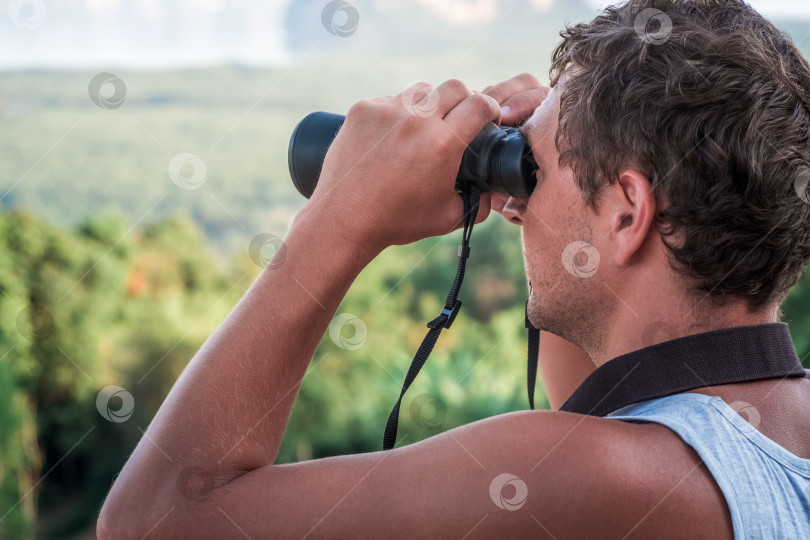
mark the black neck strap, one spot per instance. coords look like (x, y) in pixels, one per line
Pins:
(471, 199)
(729, 355)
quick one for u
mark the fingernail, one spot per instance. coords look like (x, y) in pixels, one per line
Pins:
(505, 110)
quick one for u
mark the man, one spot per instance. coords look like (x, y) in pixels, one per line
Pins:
(676, 162)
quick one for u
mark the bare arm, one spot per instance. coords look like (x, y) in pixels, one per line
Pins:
(227, 413)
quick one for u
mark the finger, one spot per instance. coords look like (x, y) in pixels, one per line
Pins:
(503, 91)
(468, 117)
(484, 207)
(448, 95)
(497, 202)
(415, 94)
(521, 106)
(457, 210)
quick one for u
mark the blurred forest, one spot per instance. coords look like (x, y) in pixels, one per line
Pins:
(113, 275)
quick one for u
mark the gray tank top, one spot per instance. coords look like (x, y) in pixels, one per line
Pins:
(767, 488)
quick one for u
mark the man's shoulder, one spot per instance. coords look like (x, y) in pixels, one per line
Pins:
(611, 477)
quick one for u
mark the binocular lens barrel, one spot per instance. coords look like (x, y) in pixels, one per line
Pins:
(498, 159)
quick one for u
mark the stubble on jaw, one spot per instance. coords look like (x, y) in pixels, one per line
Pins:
(574, 308)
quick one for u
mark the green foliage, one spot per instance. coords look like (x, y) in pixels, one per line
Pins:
(82, 311)
(105, 305)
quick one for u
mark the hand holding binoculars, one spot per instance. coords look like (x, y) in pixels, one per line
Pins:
(498, 159)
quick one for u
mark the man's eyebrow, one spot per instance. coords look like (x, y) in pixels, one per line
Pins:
(524, 129)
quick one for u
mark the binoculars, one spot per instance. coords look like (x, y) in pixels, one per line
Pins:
(498, 159)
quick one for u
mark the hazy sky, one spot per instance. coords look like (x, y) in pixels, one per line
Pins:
(164, 33)
(769, 8)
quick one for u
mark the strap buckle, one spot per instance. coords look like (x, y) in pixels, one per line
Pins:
(451, 313)
(446, 317)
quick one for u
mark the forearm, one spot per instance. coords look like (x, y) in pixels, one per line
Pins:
(228, 411)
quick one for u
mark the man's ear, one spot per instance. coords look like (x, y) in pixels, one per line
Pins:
(632, 214)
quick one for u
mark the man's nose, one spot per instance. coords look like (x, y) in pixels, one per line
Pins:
(510, 208)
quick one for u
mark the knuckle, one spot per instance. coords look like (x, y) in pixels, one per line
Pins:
(359, 108)
(484, 105)
(419, 88)
(528, 79)
(456, 86)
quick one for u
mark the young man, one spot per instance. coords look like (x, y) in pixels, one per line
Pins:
(672, 154)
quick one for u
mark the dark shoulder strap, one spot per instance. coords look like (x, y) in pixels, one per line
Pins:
(729, 355)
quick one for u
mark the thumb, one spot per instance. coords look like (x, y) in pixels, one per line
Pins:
(521, 106)
(484, 207)
(457, 210)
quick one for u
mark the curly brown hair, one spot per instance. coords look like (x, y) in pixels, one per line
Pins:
(712, 103)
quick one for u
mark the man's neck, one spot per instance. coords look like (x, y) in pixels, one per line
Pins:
(632, 331)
